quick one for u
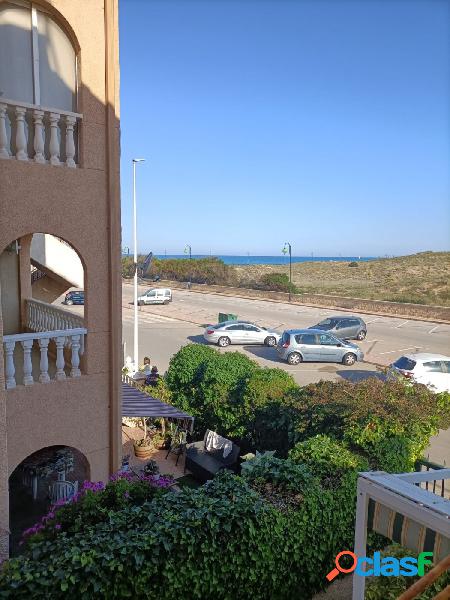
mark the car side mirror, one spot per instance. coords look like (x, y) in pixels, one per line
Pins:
(339, 345)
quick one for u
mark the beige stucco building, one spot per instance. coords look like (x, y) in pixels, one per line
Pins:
(59, 175)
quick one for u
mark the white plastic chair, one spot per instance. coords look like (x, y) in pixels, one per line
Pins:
(62, 490)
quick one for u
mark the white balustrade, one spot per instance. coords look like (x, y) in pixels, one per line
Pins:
(41, 316)
(63, 338)
(51, 133)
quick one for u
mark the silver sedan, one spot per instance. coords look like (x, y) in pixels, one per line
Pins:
(240, 332)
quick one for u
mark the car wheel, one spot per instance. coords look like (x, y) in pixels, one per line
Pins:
(294, 358)
(270, 341)
(69, 302)
(224, 341)
(166, 302)
(349, 359)
(361, 335)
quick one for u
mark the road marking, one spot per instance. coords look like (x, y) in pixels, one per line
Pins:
(401, 325)
(149, 318)
(433, 329)
(372, 321)
(401, 350)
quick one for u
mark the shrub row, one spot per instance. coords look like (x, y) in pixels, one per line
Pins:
(390, 423)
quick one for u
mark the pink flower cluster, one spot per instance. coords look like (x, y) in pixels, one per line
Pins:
(159, 481)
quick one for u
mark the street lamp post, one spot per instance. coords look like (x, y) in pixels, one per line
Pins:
(188, 250)
(288, 249)
(136, 331)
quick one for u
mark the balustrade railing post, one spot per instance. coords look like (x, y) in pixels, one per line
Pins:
(70, 142)
(10, 369)
(60, 362)
(75, 371)
(27, 345)
(54, 141)
(21, 140)
(4, 151)
(43, 345)
(38, 116)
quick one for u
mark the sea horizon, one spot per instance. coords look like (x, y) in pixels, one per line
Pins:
(248, 259)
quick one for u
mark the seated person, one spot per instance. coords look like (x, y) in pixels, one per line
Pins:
(153, 378)
(146, 367)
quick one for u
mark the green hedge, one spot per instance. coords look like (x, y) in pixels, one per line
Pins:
(390, 423)
(269, 535)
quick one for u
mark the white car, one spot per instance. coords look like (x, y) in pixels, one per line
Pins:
(155, 296)
(240, 332)
(432, 370)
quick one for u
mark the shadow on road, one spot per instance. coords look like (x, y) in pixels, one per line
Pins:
(198, 339)
(355, 376)
(264, 352)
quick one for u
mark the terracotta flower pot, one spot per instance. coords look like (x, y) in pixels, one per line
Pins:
(142, 451)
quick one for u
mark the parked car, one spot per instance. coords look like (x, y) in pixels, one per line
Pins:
(314, 345)
(155, 296)
(432, 370)
(344, 328)
(75, 297)
(240, 332)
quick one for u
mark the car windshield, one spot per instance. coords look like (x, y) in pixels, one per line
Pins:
(328, 322)
(404, 363)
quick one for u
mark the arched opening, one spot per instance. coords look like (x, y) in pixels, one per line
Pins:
(35, 483)
(39, 80)
(43, 298)
(34, 44)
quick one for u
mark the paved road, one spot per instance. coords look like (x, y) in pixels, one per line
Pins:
(164, 329)
(387, 338)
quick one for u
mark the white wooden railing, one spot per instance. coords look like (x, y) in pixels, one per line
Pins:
(64, 338)
(43, 135)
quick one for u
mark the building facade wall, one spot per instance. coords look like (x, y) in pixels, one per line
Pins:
(81, 206)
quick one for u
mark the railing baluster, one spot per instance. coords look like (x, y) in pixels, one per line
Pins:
(10, 369)
(43, 345)
(75, 371)
(21, 140)
(70, 142)
(60, 362)
(27, 364)
(54, 141)
(38, 136)
(4, 150)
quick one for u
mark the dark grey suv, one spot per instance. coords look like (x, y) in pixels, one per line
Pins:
(344, 328)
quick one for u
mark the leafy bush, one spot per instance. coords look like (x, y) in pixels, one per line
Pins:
(353, 264)
(391, 588)
(263, 388)
(390, 422)
(208, 385)
(227, 539)
(197, 540)
(94, 503)
(278, 282)
(328, 459)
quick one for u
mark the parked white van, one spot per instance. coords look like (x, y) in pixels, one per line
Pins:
(155, 296)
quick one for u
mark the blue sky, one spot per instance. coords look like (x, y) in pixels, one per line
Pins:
(322, 123)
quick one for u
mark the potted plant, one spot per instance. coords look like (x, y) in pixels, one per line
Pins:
(143, 447)
(151, 468)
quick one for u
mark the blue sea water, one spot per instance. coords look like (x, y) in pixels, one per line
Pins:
(269, 260)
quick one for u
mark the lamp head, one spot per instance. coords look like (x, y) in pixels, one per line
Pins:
(138, 160)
